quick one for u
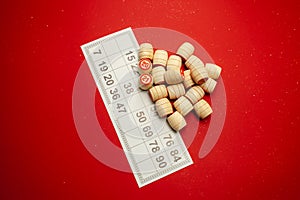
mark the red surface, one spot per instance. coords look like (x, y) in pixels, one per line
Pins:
(256, 42)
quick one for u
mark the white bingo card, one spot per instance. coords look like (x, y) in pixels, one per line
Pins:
(152, 148)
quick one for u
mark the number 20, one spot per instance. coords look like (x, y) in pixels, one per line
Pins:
(108, 79)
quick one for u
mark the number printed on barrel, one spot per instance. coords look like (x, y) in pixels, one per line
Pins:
(145, 79)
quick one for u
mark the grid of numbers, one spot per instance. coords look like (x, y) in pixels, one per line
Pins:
(152, 148)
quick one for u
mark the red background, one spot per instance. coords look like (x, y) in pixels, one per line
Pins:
(257, 44)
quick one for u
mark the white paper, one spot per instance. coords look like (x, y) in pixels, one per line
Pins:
(152, 148)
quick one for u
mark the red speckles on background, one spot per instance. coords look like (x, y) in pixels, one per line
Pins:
(256, 43)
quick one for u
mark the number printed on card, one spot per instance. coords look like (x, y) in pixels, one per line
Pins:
(147, 131)
(131, 56)
(175, 155)
(115, 93)
(141, 117)
(120, 108)
(129, 88)
(161, 161)
(109, 79)
(102, 66)
(133, 68)
(96, 53)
